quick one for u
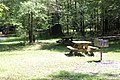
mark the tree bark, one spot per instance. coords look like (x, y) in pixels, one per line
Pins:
(30, 25)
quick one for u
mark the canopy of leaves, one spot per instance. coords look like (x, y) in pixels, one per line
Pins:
(3, 8)
(37, 7)
(71, 14)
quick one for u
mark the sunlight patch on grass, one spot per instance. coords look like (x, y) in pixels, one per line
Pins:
(49, 41)
(15, 42)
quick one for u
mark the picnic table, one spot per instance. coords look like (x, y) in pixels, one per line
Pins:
(81, 46)
(84, 47)
(66, 40)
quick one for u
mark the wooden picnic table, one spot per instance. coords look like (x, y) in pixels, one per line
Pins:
(66, 40)
(81, 46)
(84, 47)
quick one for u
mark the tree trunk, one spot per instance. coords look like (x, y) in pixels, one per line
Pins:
(30, 25)
(68, 5)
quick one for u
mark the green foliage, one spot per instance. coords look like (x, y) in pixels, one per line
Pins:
(38, 10)
(3, 8)
(36, 7)
(84, 14)
(3, 11)
(72, 14)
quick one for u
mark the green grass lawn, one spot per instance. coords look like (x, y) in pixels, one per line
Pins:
(46, 60)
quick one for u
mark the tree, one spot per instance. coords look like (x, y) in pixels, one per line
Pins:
(32, 11)
(3, 10)
(100, 16)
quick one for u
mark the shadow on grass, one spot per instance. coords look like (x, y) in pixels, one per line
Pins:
(96, 61)
(53, 47)
(11, 46)
(65, 75)
(79, 54)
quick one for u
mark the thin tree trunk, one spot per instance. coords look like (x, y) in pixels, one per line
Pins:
(68, 17)
(30, 25)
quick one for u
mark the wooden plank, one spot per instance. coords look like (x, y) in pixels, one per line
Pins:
(92, 47)
(71, 48)
(81, 42)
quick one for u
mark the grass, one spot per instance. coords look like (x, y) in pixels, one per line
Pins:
(46, 60)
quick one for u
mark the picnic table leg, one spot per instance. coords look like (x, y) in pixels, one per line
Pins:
(71, 53)
(91, 53)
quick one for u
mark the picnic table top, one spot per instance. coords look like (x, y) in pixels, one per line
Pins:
(81, 42)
